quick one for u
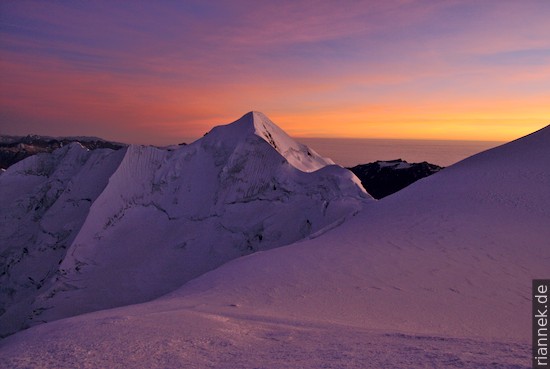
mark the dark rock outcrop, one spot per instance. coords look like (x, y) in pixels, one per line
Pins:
(382, 178)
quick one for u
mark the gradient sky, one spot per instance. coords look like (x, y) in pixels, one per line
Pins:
(160, 72)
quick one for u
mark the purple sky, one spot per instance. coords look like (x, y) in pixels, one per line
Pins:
(162, 71)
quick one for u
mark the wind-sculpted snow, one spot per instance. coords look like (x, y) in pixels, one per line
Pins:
(167, 216)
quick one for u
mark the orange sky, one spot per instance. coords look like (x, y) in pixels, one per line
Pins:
(160, 72)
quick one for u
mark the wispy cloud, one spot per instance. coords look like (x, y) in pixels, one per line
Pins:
(167, 69)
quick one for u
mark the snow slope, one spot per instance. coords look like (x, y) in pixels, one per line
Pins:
(164, 337)
(454, 254)
(169, 215)
(437, 275)
(45, 200)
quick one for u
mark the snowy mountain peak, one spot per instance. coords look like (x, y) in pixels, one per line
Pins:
(108, 228)
(256, 124)
(435, 269)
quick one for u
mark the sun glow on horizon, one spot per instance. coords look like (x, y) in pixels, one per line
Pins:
(160, 72)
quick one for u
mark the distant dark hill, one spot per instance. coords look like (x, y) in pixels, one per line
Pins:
(382, 178)
(16, 148)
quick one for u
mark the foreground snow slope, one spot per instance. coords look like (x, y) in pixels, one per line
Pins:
(167, 216)
(453, 255)
(438, 275)
(134, 337)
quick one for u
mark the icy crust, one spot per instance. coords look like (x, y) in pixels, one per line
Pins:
(167, 216)
(45, 200)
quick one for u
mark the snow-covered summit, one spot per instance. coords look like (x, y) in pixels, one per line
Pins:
(167, 216)
(257, 124)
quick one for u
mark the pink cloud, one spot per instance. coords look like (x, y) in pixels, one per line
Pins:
(154, 70)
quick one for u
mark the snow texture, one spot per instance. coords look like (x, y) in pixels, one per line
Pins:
(163, 218)
(45, 200)
(437, 275)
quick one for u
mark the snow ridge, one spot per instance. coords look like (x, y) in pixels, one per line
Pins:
(45, 200)
(438, 274)
(434, 258)
(257, 124)
(167, 216)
